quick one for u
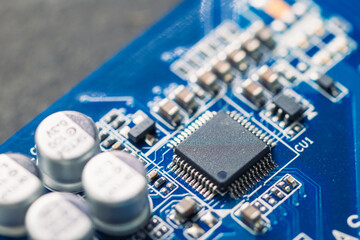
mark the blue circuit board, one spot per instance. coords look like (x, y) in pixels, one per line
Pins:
(314, 191)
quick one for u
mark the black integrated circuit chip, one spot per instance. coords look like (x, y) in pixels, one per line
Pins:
(223, 150)
(289, 106)
(139, 131)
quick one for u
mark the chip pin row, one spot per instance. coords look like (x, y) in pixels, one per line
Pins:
(191, 129)
(252, 176)
(195, 179)
(252, 128)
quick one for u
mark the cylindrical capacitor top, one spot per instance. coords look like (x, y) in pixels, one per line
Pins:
(20, 185)
(59, 215)
(116, 190)
(65, 141)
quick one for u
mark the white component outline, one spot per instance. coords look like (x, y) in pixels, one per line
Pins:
(302, 236)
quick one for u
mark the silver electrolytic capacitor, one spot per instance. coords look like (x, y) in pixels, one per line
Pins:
(65, 141)
(116, 190)
(20, 185)
(59, 215)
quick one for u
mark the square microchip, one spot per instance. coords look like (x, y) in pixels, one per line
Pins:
(222, 150)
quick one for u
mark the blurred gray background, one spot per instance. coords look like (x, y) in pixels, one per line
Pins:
(47, 46)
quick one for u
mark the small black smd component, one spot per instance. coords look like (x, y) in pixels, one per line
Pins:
(287, 108)
(225, 155)
(143, 126)
(328, 84)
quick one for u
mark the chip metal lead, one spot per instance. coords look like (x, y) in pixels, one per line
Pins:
(254, 92)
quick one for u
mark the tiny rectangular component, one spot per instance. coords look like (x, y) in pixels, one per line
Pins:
(249, 213)
(269, 79)
(237, 58)
(161, 181)
(150, 139)
(103, 135)
(222, 69)
(117, 146)
(111, 117)
(272, 201)
(124, 131)
(289, 107)
(170, 185)
(277, 8)
(274, 191)
(208, 81)
(291, 181)
(139, 131)
(186, 208)
(328, 84)
(284, 186)
(251, 216)
(209, 219)
(185, 98)
(199, 92)
(266, 37)
(108, 143)
(164, 191)
(117, 123)
(170, 111)
(152, 176)
(266, 197)
(252, 46)
(254, 92)
(195, 231)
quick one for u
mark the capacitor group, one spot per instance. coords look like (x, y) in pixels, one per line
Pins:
(113, 184)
